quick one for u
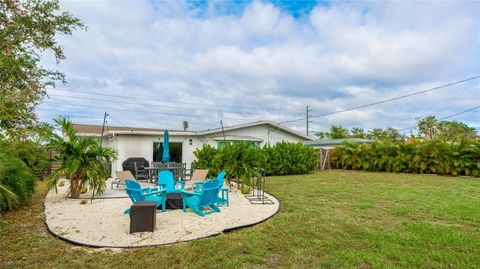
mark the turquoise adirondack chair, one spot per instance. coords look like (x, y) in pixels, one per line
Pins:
(202, 199)
(139, 194)
(223, 198)
(166, 180)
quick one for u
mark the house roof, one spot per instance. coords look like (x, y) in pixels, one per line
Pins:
(238, 138)
(336, 142)
(257, 123)
(97, 129)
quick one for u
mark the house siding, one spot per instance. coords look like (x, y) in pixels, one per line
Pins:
(141, 145)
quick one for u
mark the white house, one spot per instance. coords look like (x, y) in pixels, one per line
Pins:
(143, 142)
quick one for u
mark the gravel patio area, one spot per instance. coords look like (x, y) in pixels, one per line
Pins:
(101, 222)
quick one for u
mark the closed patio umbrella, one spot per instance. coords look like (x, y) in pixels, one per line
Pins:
(160, 152)
(166, 153)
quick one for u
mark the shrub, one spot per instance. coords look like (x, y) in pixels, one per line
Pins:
(281, 159)
(435, 156)
(209, 158)
(17, 183)
(31, 153)
(290, 159)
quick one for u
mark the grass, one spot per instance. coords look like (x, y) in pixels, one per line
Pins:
(334, 219)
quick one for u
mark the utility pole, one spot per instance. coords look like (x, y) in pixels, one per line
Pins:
(103, 127)
(307, 118)
(223, 132)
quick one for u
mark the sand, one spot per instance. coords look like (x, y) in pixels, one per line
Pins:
(102, 223)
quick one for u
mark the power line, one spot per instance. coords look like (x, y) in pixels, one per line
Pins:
(143, 111)
(115, 119)
(168, 102)
(386, 100)
(145, 104)
(444, 118)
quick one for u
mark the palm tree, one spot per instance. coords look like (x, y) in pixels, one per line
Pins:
(428, 127)
(358, 132)
(241, 161)
(82, 158)
(8, 199)
(185, 125)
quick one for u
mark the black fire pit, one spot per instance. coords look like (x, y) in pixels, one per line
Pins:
(174, 201)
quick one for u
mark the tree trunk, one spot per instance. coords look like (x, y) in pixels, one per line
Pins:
(75, 186)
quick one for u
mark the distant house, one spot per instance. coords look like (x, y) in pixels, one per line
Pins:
(331, 143)
(144, 142)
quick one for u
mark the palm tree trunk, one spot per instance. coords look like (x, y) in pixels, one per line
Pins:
(75, 186)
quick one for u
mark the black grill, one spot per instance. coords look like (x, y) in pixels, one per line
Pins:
(129, 164)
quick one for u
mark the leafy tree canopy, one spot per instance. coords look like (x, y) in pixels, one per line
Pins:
(339, 132)
(428, 128)
(28, 29)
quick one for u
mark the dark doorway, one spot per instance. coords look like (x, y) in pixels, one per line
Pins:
(175, 150)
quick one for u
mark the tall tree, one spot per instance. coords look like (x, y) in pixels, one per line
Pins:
(322, 135)
(358, 132)
(28, 29)
(383, 134)
(185, 125)
(454, 129)
(337, 132)
(428, 127)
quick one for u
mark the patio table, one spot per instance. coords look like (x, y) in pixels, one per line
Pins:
(150, 170)
(153, 171)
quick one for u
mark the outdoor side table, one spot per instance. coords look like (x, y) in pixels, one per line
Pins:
(142, 217)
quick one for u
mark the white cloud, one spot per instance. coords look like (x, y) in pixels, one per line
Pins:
(264, 63)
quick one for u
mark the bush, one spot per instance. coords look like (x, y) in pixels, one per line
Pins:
(209, 158)
(290, 159)
(31, 153)
(281, 159)
(435, 156)
(17, 183)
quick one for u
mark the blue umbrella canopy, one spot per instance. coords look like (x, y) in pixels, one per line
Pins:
(166, 153)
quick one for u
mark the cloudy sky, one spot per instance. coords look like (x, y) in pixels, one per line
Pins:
(158, 63)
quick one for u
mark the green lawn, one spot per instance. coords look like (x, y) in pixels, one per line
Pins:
(335, 219)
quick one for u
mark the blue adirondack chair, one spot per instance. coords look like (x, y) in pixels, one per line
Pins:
(202, 199)
(139, 194)
(166, 180)
(223, 198)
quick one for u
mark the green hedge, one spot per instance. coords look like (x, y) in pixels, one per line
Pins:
(281, 159)
(289, 159)
(461, 157)
(17, 183)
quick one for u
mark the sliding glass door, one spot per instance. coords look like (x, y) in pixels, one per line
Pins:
(175, 150)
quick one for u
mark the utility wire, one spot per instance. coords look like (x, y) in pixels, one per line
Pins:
(386, 100)
(145, 104)
(168, 102)
(142, 111)
(115, 119)
(444, 118)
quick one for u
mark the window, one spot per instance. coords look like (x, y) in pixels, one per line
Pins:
(221, 144)
(175, 150)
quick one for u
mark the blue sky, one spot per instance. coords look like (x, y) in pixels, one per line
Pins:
(157, 63)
